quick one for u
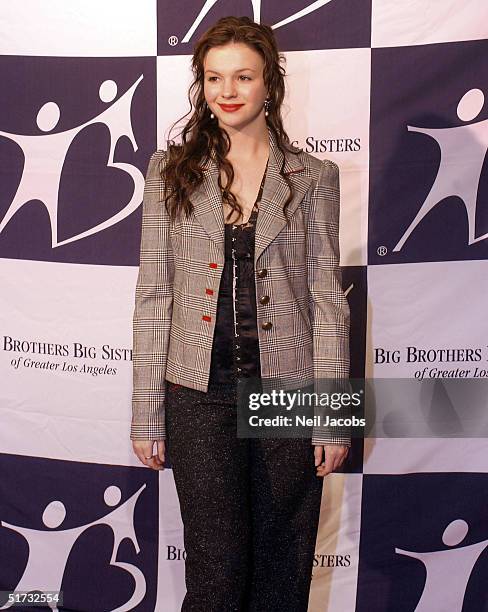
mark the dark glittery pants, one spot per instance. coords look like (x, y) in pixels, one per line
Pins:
(250, 507)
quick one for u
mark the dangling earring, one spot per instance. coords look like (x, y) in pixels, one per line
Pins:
(212, 116)
(266, 107)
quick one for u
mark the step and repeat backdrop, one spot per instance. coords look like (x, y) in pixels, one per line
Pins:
(395, 93)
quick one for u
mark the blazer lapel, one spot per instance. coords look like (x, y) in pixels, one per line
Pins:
(271, 218)
(208, 205)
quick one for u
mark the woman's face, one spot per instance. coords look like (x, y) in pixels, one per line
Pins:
(233, 75)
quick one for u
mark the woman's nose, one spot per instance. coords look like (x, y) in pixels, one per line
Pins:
(229, 89)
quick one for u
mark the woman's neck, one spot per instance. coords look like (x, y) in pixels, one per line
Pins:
(246, 147)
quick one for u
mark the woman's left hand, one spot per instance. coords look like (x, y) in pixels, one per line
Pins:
(334, 457)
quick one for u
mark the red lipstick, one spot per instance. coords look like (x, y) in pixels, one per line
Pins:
(230, 108)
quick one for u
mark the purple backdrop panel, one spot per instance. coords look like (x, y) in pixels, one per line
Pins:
(429, 137)
(75, 139)
(423, 543)
(299, 25)
(61, 521)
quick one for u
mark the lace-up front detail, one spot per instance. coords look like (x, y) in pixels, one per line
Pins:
(235, 351)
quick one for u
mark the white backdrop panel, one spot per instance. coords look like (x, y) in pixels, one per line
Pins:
(404, 456)
(79, 28)
(396, 23)
(337, 548)
(333, 85)
(60, 413)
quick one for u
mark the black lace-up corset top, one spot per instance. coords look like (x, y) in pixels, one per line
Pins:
(235, 350)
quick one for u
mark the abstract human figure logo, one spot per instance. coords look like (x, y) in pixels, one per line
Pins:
(256, 15)
(45, 154)
(457, 563)
(463, 149)
(49, 550)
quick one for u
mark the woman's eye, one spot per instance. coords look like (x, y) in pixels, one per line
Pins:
(242, 76)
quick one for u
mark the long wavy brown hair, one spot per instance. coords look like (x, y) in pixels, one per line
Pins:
(201, 137)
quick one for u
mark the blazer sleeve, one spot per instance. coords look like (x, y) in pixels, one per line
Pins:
(328, 307)
(152, 311)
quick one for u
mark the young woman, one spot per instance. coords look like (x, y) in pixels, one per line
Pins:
(239, 277)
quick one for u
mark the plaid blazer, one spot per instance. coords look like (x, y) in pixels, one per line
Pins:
(303, 329)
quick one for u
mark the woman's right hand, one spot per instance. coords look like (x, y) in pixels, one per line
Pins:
(144, 449)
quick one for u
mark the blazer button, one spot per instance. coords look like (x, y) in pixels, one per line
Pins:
(267, 325)
(262, 273)
(264, 299)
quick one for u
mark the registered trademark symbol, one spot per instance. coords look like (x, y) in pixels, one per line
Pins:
(382, 250)
(173, 40)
